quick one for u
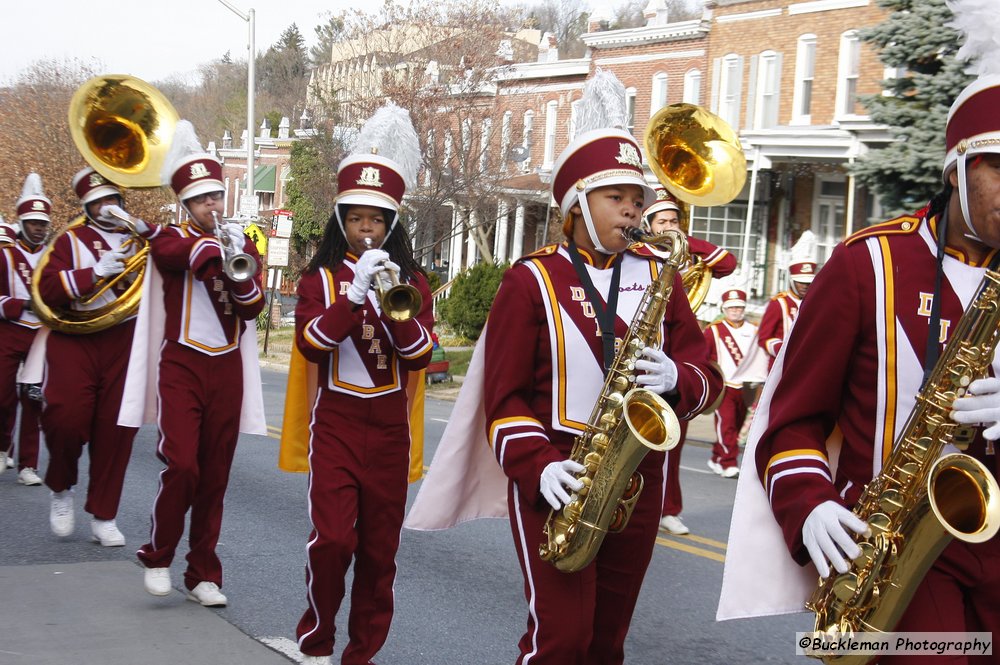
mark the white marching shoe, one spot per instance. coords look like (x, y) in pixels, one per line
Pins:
(61, 513)
(315, 660)
(157, 581)
(27, 476)
(208, 594)
(3, 461)
(106, 533)
(715, 467)
(731, 472)
(673, 524)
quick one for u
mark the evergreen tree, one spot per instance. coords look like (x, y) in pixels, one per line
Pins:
(283, 71)
(916, 41)
(326, 34)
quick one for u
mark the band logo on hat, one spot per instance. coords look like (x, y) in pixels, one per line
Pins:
(803, 271)
(734, 298)
(89, 185)
(629, 154)
(370, 177)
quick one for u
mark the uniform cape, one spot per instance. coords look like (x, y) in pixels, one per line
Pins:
(753, 367)
(760, 578)
(139, 398)
(300, 396)
(464, 482)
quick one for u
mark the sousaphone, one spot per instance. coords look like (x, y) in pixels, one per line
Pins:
(698, 158)
(123, 127)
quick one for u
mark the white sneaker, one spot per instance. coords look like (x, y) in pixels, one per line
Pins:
(9, 464)
(61, 513)
(157, 581)
(3, 461)
(715, 467)
(27, 476)
(106, 533)
(673, 524)
(731, 472)
(315, 660)
(208, 594)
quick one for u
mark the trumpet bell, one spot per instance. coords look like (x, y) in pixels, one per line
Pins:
(240, 267)
(123, 127)
(695, 154)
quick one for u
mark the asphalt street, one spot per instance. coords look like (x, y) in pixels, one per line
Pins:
(458, 592)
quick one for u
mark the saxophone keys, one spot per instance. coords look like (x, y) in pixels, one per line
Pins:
(890, 501)
(845, 587)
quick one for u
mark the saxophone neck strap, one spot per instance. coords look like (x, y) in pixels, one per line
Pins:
(605, 315)
(933, 349)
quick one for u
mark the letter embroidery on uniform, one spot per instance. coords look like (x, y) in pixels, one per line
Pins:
(367, 331)
(217, 285)
(376, 346)
(343, 288)
(924, 309)
(381, 362)
(576, 294)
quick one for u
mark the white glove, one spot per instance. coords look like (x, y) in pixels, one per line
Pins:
(980, 407)
(236, 235)
(110, 263)
(661, 371)
(113, 213)
(383, 278)
(825, 537)
(554, 477)
(369, 264)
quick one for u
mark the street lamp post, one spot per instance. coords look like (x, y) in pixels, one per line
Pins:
(251, 74)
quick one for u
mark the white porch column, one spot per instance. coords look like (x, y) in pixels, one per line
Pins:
(473, 250)
(500, 234)
(455, 255)
(849, 217)
(517, 249)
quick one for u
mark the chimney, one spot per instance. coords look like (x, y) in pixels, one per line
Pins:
(265, 129)
(243, 139)
(548, 50)
(283, 128)
(227, 140)
(304, 120)
(599, 20)
(655, 12)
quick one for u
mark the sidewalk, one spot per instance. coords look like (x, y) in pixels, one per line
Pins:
(90, 614)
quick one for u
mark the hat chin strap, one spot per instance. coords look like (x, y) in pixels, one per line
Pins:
(340, 221)
(963, 199)
(589, 222)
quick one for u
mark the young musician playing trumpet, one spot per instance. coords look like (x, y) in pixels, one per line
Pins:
(359, 434)
(202, 363)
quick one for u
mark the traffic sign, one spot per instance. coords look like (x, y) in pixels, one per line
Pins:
(253, 232)
(248, 206)
(277, 254)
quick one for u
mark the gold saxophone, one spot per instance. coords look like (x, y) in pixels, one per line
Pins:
(626, 423)
(921, 499)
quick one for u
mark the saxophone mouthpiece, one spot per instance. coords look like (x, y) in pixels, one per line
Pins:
(633, 233)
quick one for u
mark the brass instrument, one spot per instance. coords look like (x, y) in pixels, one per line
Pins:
(921, 499)
(123, 127)
(697, 157)
(399, 300)
(627, 422)
(238, 266)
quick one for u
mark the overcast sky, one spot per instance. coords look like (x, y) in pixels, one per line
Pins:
(151, 39)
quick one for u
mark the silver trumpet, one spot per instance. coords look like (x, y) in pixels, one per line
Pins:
(238, 266)
(399, 300)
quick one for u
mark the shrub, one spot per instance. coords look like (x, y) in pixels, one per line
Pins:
(470, 299)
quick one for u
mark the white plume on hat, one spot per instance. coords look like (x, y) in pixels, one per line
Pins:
(602, 104)
(183, 147)
(32, 189)
(390, 133)
(979, 21)
(804, 248)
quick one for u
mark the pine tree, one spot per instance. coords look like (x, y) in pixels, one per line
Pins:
(915, 41)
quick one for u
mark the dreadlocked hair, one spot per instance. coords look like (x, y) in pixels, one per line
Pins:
(333, 248)
(939, 203)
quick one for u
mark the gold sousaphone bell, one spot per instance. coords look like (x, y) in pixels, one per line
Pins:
(698, 158)
(122, 127)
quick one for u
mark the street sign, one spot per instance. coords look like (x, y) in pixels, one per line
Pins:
(253, 232)
(282, 225)
(248, 206)
(277, 254)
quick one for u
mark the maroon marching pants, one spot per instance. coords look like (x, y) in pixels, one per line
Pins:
(359, 454)
(729, 419)
(672, 501)
(16, 344)
(84, 379)
(582, 618)
(200, 398)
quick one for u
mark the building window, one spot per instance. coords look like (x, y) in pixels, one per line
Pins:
(551, 111)
(829, 222)
(692, 86)
(730, 81)
(529, 124)
(805, 71)
(725, 227)
(768, 88)
(659, 93)
(630, 110)
(847, 73)
(505, 137)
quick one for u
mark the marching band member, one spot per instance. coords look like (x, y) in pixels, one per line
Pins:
(839, 394)
(729, 342)
(666, 215)
(207, 370)
(783, 308)
(83, 396)
(19, 254)
(545, 369)
(359, 433)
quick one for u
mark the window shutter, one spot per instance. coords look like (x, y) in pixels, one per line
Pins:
(752, 92)
(716, 66)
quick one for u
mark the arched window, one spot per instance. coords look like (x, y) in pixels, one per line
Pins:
(805, 71)
(658, 98)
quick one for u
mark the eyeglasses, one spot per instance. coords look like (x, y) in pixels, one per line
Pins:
(203, 198)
